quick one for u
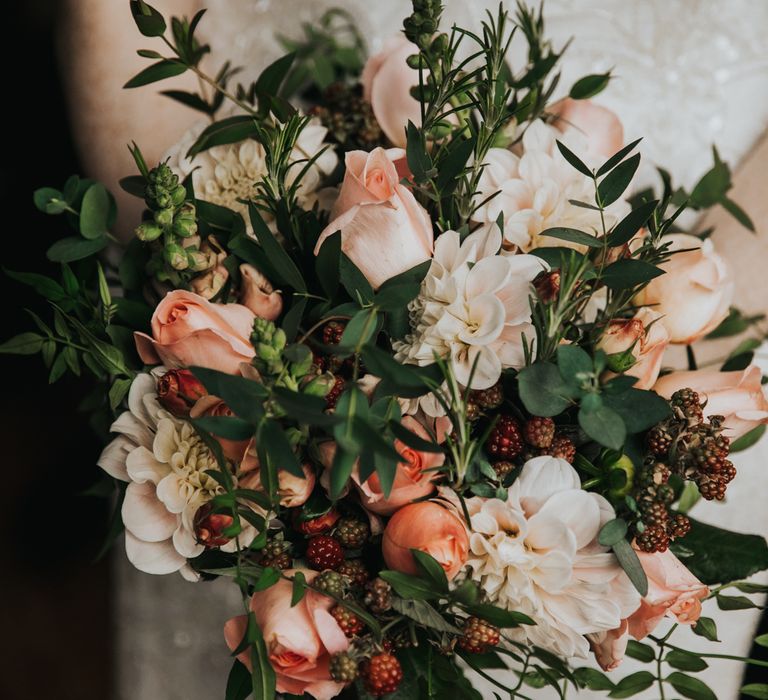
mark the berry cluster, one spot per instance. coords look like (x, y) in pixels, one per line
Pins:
(693, 448)
(478, 636)
(349, 118)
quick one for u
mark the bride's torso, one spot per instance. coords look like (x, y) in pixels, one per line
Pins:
(689, 73)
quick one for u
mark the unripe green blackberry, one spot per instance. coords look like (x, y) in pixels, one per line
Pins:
(352, 532)
(343, 668)
(330, 582)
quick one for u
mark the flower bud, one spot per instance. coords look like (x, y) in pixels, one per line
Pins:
(414, 61)
(320, 385)
(209, 527)
(176, 256)
(178, 195)
(198, 261)
(148, 231)
(623, 464)
(318, 524)
(621, 361)
(184, 226)
(178, 390)
(547, 285)
(164, 217)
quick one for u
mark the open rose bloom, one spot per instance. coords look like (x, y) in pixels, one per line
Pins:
(392, 352)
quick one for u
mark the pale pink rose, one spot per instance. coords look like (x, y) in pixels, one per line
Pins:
(189, 331)
(738, 395)
(384, 230)
(673, 591)
(214, 406)
(300, 639)
(694, 294)
(600, 127)
(387, 81)
(293, 490)
(414, 476)
(645, 338)
(258, 295)
(609, 646)
(430, 528)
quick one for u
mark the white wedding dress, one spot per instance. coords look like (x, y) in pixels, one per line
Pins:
(689, 73)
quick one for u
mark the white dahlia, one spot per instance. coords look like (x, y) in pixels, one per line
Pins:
(534, 190)
(225, 174)
(164, 462)
(473, 307)
(537, 553)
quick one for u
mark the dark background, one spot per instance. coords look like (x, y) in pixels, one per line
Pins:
(54, 597)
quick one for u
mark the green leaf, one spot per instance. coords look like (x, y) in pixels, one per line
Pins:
(574, 236)
(227, 427)
(327, 264)
(755, 690)
(262, 674)
(542, 390)
(244, 396)
(629, 272)
(614, 183)
(613, 531)
(638, 408)
(150, 23)
(499, 616)
(762, 640)
(23, 344)
(359, 329)
(431, 569)
(713, 186)
(355, 282)
(734, 602)
(423, 613)
(626, 228)
(706, 627)
(299, 588)
(748, 439)
(238, 682)
(589, 86)
(271, 78)
(630, 562)
(467, 592)
(412, 440)
(617, 157)
(50, 200)
(408, 380)
(302, 408)
(575, 363)
(274, 447)
(43, 285)
(118, 391)
(632, 684)
(715, 556)
(409, 587)
(269, 577)
(418, 159)
(75, 248)
(685, 661)
(734, 324)
(737, 213)
(604, 426)
(593, 679)
(453, 163)
(225, 131)
(574, 160)
(94, 212)
(167, 68)
(690, 687)
(283, 263)
(641, 652)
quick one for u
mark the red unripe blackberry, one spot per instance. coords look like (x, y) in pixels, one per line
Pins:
(479, 636)
(562, 447)
(324, 552)
(488, 399)
(506, 439)
(332, 397)
(332, 332)
(539, 432)
(503, 468)
(659, 441)
(381, 674)
(350, 623)
(276, 555)
(330, 582)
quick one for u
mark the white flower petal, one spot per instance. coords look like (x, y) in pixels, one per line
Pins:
(578, 510)
(113, 457)
(142, 466)
(153, 557)
(145, 516)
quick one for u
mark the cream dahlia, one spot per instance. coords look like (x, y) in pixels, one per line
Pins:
(473, 308)
(537, 553)
(533, 191)
(164, 462)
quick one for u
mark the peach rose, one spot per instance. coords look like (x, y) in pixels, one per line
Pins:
(293, 490)
(413, 477)
(609, 646)
(384, 230)
(600, 127)
(430, 528)
(672, 591)
(188, 331)
(644, 338)
(214, 406)
(300, 640)
(738, 395)
(387, 81)
(258, 295)
(694, 294)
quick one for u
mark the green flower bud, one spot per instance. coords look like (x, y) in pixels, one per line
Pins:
(622, 464)
(300, 369)
(278, 339)
(439, 44)
(268, 353)
(164, 217)
(414, 61)
(184, 226)
(198, 261)
(148, 231)
(176, 256)
(178, 195)
(621, 361)
(320, 385)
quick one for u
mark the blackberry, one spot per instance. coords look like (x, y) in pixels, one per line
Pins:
(280, 561)
(378, 596)
(687, 404)
(332, 397)
(330, 582)
(324, 552)
(678, 526)
(653, 539)
(539, 432)
(562, 447)
(479, 636)
(656, 514)
(352, 532)
(711, 489)
(503, 469)
(473, 411)
(332, 332)
(350, 623)
(343, 668)
(354, 570)
(660, 441)
(276, 554)
(506, 439)
(381, 674)
(488, 399)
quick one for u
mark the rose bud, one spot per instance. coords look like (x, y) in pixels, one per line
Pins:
(429, 528)
(316, 525)
(258, 295)
(213, 406)
(209, 527)
(178, 390)
(636, 346)
(694, 294)
(547, 285)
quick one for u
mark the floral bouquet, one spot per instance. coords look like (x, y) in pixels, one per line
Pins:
(388, 351)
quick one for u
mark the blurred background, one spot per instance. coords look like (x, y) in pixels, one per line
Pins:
(55, 604)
